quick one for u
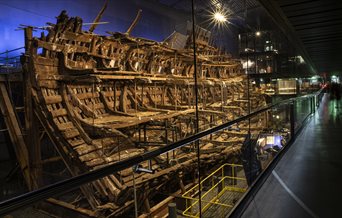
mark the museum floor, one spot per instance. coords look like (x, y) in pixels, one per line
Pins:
(307, 180)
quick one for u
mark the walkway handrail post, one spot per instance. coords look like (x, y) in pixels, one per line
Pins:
(313, 104)
(292, 119)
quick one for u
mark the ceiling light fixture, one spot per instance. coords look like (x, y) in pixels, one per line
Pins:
(219, 17)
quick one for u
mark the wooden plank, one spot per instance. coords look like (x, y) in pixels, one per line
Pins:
(71, 133)
(51, 84)
(58, 112)
(89, 156)
(95, 162)
(96, 106)
(101, 187)
(111, 186)
(123, 99)
(52, 62)
(83, 211)
(76, 142)
(110, 93)
(53, 99)
(117, 182)
(86, 95)
(223, 143)
(31, 121)
(85, 149)
(60, 48)
(15, 133)
(87, 38)
(65, 126)
(158, 209)
(73, 168)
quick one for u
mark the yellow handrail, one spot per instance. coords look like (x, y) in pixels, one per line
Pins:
(210, 175)
(214, 201)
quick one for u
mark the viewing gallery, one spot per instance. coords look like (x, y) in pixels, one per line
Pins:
(163, 108)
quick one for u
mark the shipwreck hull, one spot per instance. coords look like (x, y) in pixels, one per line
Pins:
(103, 99)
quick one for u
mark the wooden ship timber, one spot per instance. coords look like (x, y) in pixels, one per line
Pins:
(103, 99)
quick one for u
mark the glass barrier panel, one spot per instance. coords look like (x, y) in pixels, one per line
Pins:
(303, 108)
(104, 82)
(110, 80)
(231, 159)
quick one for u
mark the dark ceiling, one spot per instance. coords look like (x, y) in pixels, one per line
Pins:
(316, 26)
(313, 26)
(236, 7)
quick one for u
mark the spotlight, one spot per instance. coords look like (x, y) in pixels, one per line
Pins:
(219, 17)
(257, 33)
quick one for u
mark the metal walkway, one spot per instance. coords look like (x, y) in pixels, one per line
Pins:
(220, 191)
(307, 180)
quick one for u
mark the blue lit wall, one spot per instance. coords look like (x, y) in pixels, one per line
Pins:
(156, 23)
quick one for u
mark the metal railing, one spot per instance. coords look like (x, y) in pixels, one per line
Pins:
(77, 181)
(10, 62)
(220, 183)
(242, 204)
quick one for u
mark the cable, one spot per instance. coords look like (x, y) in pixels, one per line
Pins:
(196, 104)
(25, 10)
